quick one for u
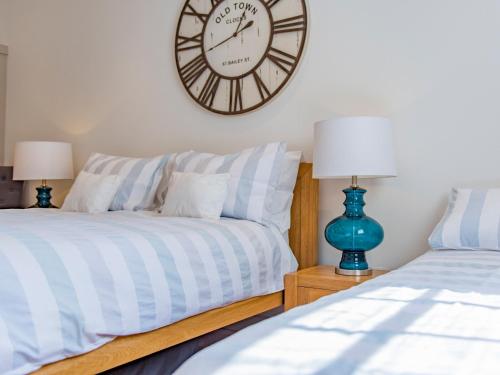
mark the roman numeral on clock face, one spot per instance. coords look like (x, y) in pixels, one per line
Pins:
(185, 43)
(283, 60)
(289, 25)
(271, 3)
(263, 90)
(235, 99)
(207, 94)
(193, 70)
(190, 11)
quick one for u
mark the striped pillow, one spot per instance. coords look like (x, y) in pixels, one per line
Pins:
(471, 222)
(254, 177)
(140, 178)
(281, 206)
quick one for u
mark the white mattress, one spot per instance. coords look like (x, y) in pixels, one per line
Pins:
(440, 314)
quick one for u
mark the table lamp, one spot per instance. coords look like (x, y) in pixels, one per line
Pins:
(354, 147)
(43, 161)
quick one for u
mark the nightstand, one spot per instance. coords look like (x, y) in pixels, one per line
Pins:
(307, 285)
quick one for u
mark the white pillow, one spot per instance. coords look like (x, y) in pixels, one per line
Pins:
(196, 195)
(92, 193)
(281, 205)
(254, 177)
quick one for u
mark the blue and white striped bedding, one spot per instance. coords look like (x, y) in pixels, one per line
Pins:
(440, 314)
(141, 178)
(70, 282)
(255, 175)
(471, 221)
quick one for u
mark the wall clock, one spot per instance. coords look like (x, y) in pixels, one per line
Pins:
(235, 56)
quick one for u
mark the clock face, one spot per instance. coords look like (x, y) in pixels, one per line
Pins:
(234, 56)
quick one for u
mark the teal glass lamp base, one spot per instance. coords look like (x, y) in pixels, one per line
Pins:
(43, 197)
(354, 234)
(353, 263)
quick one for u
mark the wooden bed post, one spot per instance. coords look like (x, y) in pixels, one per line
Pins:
(303, 233)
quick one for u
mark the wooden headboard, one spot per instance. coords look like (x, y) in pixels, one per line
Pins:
(303, 234)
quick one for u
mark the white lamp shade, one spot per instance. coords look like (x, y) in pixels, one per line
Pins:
(43, 161)
(354, 146)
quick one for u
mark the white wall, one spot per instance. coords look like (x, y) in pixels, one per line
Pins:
(4, 12)
(3, 98)
(3, 69)
(3, 95)
(100, 73)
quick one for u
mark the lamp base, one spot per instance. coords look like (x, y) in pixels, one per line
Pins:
(36, 205)
(343, 272)
(354, 233)
(43, 197)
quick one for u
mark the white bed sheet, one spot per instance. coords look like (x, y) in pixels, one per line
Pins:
(440, 314)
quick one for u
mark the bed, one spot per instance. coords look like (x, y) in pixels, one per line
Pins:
(106, 270)
(439, 314)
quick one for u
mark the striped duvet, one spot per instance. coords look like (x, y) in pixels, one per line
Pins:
(440, 314)
(71, 282)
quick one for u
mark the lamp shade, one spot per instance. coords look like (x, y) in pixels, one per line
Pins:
(43, 161)
(354, 146)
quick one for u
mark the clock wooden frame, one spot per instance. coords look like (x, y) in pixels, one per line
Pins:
(192, 71)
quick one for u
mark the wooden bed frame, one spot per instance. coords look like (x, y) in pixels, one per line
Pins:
(124, 349)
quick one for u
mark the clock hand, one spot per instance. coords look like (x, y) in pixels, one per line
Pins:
(249, 24)
(241, 20)
(224, 41)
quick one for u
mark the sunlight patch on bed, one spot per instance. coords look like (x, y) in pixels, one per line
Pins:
(324, 333)
(348, 312)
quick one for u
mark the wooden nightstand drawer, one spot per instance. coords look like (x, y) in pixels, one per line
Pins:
(308, 285)
(308, 295)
